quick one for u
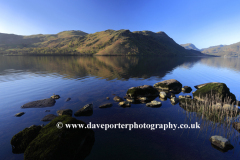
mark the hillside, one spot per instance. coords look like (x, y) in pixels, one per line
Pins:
(190, 46)
(223, 50)
(109, 42)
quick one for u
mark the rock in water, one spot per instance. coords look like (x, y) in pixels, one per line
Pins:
(48, 117)
(68, 99)
(65, 143)
(117, 99)
(142, 91)
(49, 102)
(186, 89)
(19, 114)
(87, 110)
(221, 142)
(163, 95)
(236, 125)
(219, 90)
(154, 103)
(21, 140)
(169, 85)
(64, 112)
(55, 96)
(107, 105)
(124, 104)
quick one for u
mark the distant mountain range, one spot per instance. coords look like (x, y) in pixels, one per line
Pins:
(109, 42)
(219, 50)
(190, 46)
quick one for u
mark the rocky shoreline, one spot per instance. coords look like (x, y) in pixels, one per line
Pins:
(32, 140)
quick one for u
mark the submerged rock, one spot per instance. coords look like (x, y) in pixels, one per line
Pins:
(64, 143)
(142, 91)
(169, 85)
(107, 105)
(48, 117)
(219, 90)
(117, 99)
(221, 142)
(107, 98)
(68, 99)
(49, 102)
(21, 140)
(64, 112)
(87, 110)
(19, 114)
(154, 103)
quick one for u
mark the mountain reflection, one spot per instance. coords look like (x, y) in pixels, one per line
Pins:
(107, 67)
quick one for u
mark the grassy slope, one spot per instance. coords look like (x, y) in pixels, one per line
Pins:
(189, 46)
(229, 50)
(109, 42)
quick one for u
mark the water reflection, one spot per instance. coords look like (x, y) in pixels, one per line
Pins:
(107, 67)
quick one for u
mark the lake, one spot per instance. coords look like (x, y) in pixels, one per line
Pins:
(91, 79)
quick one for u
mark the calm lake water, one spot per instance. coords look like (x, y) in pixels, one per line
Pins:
(92, 79)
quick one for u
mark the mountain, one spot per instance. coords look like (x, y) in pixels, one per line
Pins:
(223, 50)
(190, 46)
(109, 42)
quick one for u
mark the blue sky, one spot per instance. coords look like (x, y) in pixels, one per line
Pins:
(201, 22)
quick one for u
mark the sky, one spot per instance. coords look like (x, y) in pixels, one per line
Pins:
(204, 23)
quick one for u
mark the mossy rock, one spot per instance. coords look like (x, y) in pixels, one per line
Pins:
(21, 140)
(142, 91)
(169, 85)
(64, 143)
(219, 90)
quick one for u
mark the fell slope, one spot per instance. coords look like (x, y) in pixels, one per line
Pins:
(109, 42)
(190, 46)
(223, 50)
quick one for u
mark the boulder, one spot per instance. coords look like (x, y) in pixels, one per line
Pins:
(186, 89)
(19, 114)
(49, 102)
(236, 125)
(163, 95)
(221, 142)
(117, 99)
(124, 104)
(64, 112)
(63, 143)
(154, 103)
(107, 98)
(21, 140)
(142, 91)
(219, 90)
(87, 110)
(48, 117)
(204, 84)
(107, 105)
(55, 96)
(169, 85)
